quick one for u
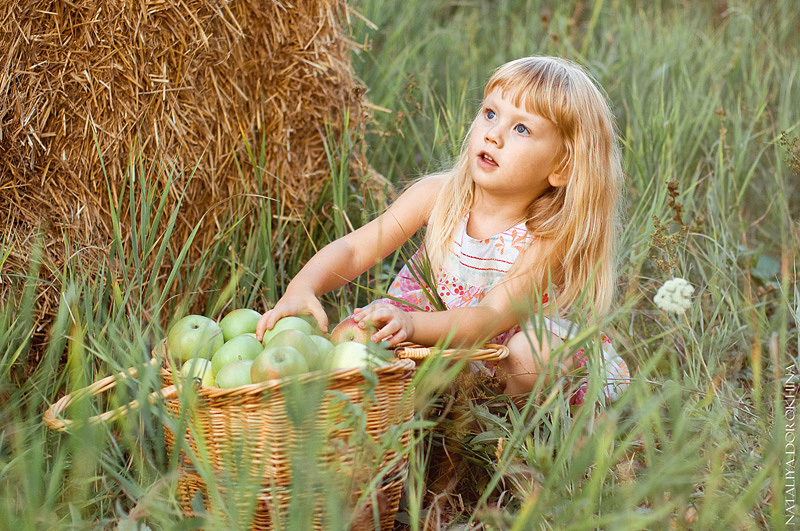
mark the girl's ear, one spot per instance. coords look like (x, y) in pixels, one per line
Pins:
(560, 176)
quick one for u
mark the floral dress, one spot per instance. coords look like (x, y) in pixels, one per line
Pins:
(472, 268)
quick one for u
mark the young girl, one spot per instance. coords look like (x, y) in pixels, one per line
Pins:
(528, 210)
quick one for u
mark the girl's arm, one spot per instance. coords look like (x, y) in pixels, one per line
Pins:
(344, 259)
(499, 311)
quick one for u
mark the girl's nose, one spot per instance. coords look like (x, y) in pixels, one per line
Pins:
(492, 135)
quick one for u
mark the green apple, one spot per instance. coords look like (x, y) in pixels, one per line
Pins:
(235, 374)
(241, 347)
(302, 342)
(238, 322)
(199, 368)
(350, 355)
(310, 319)
(194, 336)
(349, 330)
(325, 348)
(290, 322)
(278, 362)
(324, 345)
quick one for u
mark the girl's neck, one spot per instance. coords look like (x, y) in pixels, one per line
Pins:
(490, 218)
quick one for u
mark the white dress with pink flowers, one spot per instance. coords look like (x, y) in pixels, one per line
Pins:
(471, 269)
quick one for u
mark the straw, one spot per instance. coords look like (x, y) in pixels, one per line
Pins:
(183, 83)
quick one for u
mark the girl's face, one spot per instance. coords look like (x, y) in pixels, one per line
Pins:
(513, 153)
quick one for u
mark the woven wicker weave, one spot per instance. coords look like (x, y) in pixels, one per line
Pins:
(256, 415)
(489, 352)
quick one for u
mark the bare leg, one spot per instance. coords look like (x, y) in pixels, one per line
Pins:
(528, 359)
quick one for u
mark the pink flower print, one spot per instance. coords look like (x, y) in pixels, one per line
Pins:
(404, 307)
(579, 396)
(580, 358)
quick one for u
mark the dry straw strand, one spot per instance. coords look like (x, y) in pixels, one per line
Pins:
(182, 82)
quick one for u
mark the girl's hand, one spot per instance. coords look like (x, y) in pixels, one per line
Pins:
(392, 323)
(293, 303)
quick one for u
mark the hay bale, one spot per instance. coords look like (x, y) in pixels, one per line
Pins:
(182, 81)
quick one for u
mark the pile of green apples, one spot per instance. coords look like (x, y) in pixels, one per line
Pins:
(226, 353)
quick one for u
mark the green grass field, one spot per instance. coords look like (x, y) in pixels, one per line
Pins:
(706, 96)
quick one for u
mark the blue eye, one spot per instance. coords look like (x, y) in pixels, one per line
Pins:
(490, 114)
(521, 129)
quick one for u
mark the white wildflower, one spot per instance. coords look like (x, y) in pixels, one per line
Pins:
(674, 296)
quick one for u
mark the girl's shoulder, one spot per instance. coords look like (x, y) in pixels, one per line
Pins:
(421, 196)
(430, 185)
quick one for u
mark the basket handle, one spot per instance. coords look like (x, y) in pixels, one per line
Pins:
(489, 352)
(412, 351)
(100, 386)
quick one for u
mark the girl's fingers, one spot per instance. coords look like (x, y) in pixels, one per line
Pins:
(373, 312)
(366, 311)
(268, 320)
(386, 316)
(261, 327)
(393, 331)
(386, 332)
(372, 319)
(397, 338)
(322, 319)
(363, 315)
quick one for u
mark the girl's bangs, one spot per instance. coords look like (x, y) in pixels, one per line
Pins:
(538, 86)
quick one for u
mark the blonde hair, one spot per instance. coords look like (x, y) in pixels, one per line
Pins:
(579, 218)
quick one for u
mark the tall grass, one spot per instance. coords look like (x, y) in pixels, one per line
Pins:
(702, 94)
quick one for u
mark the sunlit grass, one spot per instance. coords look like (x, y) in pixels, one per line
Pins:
(706, 98)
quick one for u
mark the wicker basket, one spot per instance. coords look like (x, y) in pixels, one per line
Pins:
(256, 415)
(259, 413)
(386, 500)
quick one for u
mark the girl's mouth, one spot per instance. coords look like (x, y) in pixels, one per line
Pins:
(486, 159)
